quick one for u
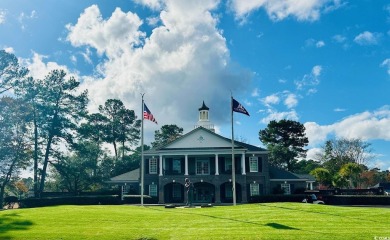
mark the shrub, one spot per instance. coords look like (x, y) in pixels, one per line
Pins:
(277, 198)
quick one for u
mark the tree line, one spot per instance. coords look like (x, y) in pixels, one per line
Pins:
(341, 162)
(45, 125)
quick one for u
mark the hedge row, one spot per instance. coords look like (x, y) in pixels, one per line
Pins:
(277, 198)
(357, 200)
(86, 200)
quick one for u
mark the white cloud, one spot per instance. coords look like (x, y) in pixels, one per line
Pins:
(271, 100)
(153, 4)
(386, 64)
(23, 17)
(38, 69)
(302, 10)
(2, 16)
(255, 92)
(320, 44)
(183, 61)
(9, 50)
(367, 38)
(310, 80)
(365, 125)
(339, 38)
(275, 115)
(291, 100)
(339, 110)
(153, 21)
(111, 37)
(313, 153)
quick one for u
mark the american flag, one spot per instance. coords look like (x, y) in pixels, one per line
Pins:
(148, 115)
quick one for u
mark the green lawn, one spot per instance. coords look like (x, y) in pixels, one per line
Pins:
(251, 221)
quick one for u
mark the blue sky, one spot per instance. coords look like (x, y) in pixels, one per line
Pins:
(324, 63)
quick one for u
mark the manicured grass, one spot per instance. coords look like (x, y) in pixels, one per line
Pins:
(251, 221)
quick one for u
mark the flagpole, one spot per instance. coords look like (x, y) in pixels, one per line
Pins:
(233, 160)
(142, 152)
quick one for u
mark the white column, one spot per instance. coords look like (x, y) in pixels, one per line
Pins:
(161, 165)
(243, 164)
(216, 165)
(186, 165)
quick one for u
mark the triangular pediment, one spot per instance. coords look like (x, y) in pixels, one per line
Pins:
(199, 138)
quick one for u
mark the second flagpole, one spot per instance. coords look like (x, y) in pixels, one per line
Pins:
(233, 160)
(142, 152)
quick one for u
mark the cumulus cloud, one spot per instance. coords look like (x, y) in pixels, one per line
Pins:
(308, 10)
(367, 38)
(291, 100)
(271, 100)
(183, 61)
(39, 69)
(275, 115)
(365, 125)
(152, 4)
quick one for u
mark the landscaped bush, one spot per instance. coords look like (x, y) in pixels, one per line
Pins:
(357, 200)
(71, 200)
(277, 198)
(86, 200)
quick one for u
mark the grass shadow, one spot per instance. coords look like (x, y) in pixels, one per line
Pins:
(280, 226)
(11, 222)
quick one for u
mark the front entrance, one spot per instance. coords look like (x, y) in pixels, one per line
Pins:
(204, 193)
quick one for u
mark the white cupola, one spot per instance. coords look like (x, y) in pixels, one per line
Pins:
(203, 120)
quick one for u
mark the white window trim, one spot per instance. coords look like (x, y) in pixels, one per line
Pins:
(153, 167)
(254, 189)
(255, 167)
(202, 172)
(153, 192)
(286, 188)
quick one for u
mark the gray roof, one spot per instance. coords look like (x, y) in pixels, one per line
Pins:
(281, 174)
(128, 177)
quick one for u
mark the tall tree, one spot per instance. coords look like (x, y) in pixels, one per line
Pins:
(28, 89)
(338, 152)
(62, 108)
(166, 134)
(14, 146)
(285, 140)
(122, 126)
(10, 71)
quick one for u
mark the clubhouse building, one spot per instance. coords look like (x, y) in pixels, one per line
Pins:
(205, 158)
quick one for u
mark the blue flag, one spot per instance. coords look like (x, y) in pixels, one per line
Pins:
(237, 107)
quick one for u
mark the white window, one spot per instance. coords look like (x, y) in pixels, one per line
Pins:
(176, 191)
(254, 189)
(202, 167)
(286, 188)
(228, 191)
(153, 190)
(153, 166)
(228, 164)
(253, 164)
